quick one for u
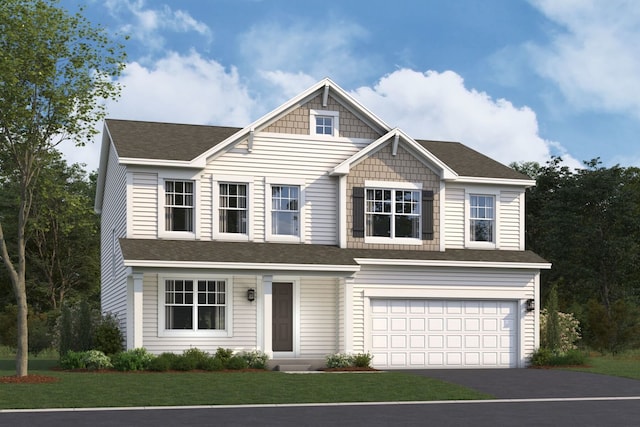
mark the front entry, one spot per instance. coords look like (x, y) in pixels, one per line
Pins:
(282, 316)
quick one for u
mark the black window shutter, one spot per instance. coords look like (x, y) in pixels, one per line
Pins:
(427, 215)
(358, 211)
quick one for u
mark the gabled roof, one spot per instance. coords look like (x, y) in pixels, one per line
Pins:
(210, 254)
(164, 141)
(443, 169)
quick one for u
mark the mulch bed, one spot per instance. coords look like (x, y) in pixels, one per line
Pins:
(29, 379)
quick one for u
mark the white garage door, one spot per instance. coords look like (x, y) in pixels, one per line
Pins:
(421, 333)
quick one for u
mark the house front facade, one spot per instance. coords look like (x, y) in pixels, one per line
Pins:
(317, 229)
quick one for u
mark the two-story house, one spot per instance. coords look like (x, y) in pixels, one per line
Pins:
(316, 229)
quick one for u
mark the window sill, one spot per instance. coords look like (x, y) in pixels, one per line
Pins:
(182, 235)
(284, 239)
(193, 334)
(390, 241)
(235, 237)
(481, 245)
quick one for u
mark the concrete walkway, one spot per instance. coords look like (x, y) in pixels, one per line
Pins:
(536, 383)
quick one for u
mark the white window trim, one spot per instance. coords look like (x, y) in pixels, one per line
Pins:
(394, 185)
(216, 180)
(336, 122)
(163, 332)
(269, 181)
(482, 191)
(197, 201)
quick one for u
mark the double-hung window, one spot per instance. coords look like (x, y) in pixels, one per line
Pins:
(195, 305)
(481, 218)
(285, 210)
(179, 205)
(233, 208)
(392, 213)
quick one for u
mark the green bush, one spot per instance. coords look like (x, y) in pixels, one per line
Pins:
(73, 360)
(137, 359)
(91, 359)
(164, 362)
(541, 357)
(107, 335)
(545, 357)
(213, 364)
(362, 360)
(255, 359)
(223, 354)
(236, 362)
(95, 359)
(339, 360)
(195, 358)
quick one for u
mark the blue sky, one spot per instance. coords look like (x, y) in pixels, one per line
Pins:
(517, 80)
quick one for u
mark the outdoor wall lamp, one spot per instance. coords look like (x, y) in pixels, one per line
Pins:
(251, 294)
(531, 304)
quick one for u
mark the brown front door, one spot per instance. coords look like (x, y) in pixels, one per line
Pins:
(282, 313)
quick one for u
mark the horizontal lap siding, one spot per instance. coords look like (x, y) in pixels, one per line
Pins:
(318, 317)
(113, 297)
(511, 233)
(145, 205)
(244, 322)
(281, 157)
(454, 218)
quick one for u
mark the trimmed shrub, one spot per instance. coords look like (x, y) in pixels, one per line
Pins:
(255, 359)
(224, 354)
(137, 359)
(546, 357)
(362, 360)
(339, 360)
(91, 359)
(195, 358)
(164, 362)
(107, 336)
(73, 360)
(95, 359)
(236, 362)
(212, 364)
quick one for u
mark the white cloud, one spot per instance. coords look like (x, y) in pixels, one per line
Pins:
(438, 106)
(303, 47)
(147, 25)
(177, 89)
(594, 57)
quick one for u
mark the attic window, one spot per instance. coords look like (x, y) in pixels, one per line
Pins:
(323, 123)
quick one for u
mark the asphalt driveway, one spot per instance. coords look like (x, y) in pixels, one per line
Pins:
(536, 383)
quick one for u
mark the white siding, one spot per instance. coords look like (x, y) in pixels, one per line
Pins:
(244, 321)
(281, 157)
(144, 205)
(318, 317)
(510, 221)
(454, 218)
(113, 291)
(445, 283)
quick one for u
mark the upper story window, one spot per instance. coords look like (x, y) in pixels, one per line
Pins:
(482, 218)
(233, 208)
(195, 305)
(179, 205)
(285, 210)
(392, 213)
(324, 123)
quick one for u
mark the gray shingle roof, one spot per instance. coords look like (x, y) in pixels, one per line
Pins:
(467, 162)
(164, 141)
(172, 141)
(282, 253)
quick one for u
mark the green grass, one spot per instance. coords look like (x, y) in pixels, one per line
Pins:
(115, 389)
(622, 365)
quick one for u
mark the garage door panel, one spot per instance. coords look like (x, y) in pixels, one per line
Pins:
(439, 333)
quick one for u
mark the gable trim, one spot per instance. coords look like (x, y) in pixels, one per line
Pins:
(339, 94)
(445, 263)
(343, 168)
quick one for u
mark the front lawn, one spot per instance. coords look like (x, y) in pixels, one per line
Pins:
(622, 365)
(117, 389)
